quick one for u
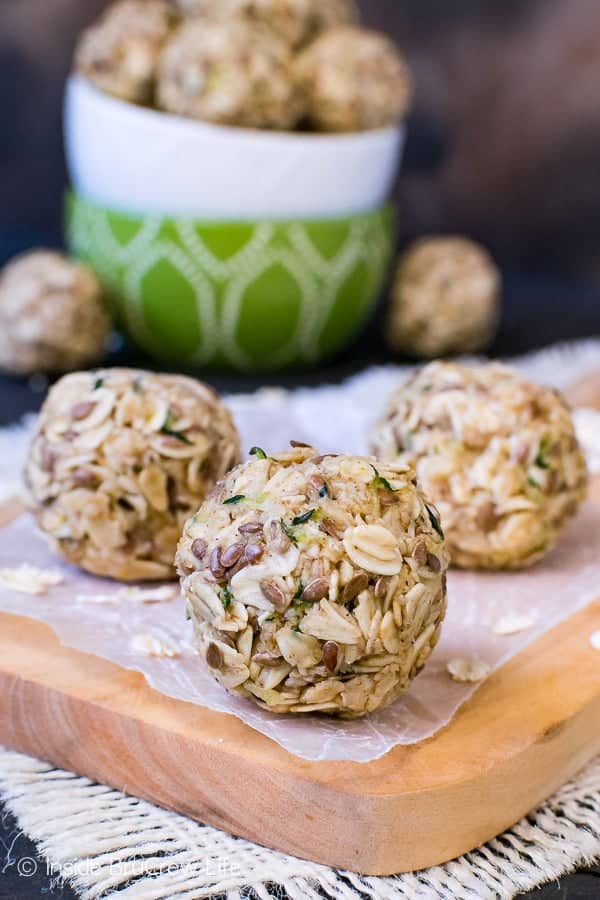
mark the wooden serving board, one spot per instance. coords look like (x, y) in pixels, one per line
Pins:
(525, 732)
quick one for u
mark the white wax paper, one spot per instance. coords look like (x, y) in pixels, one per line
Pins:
(555, 589)
(333, 419)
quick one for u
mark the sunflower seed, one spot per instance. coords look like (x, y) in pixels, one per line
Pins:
(315, 590)
(420, 553)
(357, 584)
(85, 478)
(253, 553)
(231, 555)
(381, 586)
(434, 563)
(199, 548)
(81, 410)
(273, 593)
(214, 657)
(251, 528)
(330, 655)
(215, 564)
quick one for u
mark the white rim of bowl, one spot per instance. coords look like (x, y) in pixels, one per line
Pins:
(161, 118)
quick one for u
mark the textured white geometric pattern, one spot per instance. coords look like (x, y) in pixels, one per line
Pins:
(221, 282)
(237, 263)
(234, 299)
(166, 251)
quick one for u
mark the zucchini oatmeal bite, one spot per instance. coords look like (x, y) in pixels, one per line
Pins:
(229, 73)
(445, 299)
(353, 79)
(119, 53)
(119, 460)
(495, 452)
(52, 314)
(315, 583)
(296, 21)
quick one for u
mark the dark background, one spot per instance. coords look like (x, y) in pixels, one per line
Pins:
(504, 144)
(504, 137)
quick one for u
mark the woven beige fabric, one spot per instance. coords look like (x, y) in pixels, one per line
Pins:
(103, 841)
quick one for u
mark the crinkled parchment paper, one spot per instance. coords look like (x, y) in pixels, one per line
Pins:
(564, 583)
(333, 419)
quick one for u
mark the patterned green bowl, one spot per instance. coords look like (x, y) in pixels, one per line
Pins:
(260, 295)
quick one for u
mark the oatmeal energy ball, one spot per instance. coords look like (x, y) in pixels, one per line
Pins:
(496, 453)
(119, 460)
(229, 73)
(296, 21)
(52, 317)
(315, 583)
(119, 53)
(445, 300)
(353, 80)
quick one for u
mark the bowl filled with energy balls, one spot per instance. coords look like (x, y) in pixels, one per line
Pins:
(231, 164)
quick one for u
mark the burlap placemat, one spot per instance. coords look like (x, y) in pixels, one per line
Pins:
(104, 842)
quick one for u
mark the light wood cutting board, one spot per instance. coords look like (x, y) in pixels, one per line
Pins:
(528, 729)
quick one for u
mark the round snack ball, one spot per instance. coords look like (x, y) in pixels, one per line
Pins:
(334, 13)
(119, 54)
(119, 460)
(353, 80)
(445, 300)
(315, 583)
(229, 73)
(296, 21)
(52, 317)
(496, 453)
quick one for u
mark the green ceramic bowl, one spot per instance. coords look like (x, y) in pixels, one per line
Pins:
(251, 295)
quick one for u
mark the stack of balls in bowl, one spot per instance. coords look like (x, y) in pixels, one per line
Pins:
(277, 64)
(314, 582)
(250, 148)
(255, 66)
